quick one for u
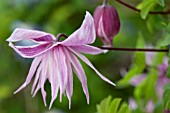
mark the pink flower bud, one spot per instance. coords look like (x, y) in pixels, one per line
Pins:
(107, 23)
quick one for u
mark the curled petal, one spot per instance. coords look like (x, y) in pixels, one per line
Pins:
(80, 73)
(84, 35)
(25, 34)
(90, 65)
(87, 49)
(32, 70)
(31, 51)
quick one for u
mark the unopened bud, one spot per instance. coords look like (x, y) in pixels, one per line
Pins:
(107, 23)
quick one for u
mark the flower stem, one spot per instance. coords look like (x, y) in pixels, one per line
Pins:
(120, 49)
(134, 49)
(137, 10)
(61, 35)
(104, 2)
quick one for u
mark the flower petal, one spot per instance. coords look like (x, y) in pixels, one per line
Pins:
(37, 76)
(90, 65)
(44, 77)
(87, 49)
(62, 69)
(55, 83)
(69, 88)
(84, 35)
(32, 70)
(31, 51)
(22, 34)
(78, 69)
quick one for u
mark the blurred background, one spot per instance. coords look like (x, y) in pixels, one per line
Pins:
(65, 16)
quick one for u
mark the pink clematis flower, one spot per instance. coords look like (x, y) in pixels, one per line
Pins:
(54, 60)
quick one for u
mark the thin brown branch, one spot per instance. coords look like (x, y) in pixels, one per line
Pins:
(137, 10)
(134, 49)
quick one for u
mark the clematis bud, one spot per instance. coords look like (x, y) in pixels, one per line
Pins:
(107, 23)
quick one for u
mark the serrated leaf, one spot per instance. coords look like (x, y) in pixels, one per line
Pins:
(124, 108)
(115, 106)
(161, 2)
(104, 105)
(145, 6)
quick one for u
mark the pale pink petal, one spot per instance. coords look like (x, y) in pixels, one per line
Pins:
(31, 51)
(22, 34)
(32, 70)
(44, 77)
(80, 73)
(69, 88)
(84, 35)
(88, 49)
(90, 65)
(37, 76)
(53, 78)
(137, 79)
(62, 69)
(132, 104)
(150, 107)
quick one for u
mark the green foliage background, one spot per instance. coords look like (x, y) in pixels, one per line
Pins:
(65, 16)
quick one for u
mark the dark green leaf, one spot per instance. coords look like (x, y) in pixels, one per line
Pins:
(166, 97)
(168, 73)
(161, 3)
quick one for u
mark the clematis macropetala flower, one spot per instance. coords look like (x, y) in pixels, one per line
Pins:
(54, 59)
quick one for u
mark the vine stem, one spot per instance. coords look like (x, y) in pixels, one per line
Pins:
(104, 2)
(120, 49)
(134, 49)
(137, 10)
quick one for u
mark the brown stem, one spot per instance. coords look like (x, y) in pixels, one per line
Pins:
(104, 2)
(134, 49)
(137, 10)
(120, 49)
(60, 35)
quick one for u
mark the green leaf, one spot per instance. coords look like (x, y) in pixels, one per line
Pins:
(139, 65)
(124, 109)
(104, 105)
(168, 28)
(140, 56)
(114, 106)
(166, 40)
(146, 89)
(168, 73)
(125, 81)
(145, 6)
(166, 97)
(161, 2)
